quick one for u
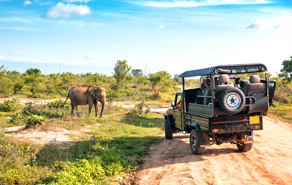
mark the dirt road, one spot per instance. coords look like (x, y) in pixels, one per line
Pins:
(269, 162)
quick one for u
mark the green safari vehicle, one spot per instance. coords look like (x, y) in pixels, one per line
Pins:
(222, 112)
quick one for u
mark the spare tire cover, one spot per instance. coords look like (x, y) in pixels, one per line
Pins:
(231, 100)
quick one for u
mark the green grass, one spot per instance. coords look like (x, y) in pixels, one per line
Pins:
(114, 148)
(282, 111)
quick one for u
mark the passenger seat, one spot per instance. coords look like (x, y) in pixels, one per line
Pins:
(208, 100)
(223, 83)
(255, 85)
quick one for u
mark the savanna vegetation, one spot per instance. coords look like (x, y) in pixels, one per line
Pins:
(100, 150)
(125, 84)
(109, 149)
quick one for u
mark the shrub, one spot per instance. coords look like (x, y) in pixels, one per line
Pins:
(15, 165)
(42, 110)
(139, 107)
(29, 109)
(34, 120)
(284, 94)
(9, 105)
(58, 104)
(16, 119)
(152, 97)
(52, 113)
(81, 171)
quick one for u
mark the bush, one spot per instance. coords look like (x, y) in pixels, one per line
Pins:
(140, 107)
(152, 97)
(284, 94)
(9, 105)
(15, 162)
(34, 120)
(42, 110)
(81, 171)
(16, 119)
(29, 109)
(58, 104)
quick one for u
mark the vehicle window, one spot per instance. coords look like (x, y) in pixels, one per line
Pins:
(247, 75)
(192, 82)
(178, 101)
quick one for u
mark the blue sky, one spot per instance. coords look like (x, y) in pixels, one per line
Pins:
(170, 35)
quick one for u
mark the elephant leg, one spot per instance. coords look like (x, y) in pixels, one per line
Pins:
(90, 108)
(96, 108)
(78, 114)
(72, 109)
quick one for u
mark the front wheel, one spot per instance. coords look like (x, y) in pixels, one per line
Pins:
(195, 143)
(244, 147)
(167, 129)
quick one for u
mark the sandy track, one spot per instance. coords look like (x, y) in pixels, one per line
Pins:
(269, 162)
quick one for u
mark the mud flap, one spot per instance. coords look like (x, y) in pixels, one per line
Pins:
(205, 140)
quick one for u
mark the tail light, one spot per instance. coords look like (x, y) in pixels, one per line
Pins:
(255, 127)
(217, 130)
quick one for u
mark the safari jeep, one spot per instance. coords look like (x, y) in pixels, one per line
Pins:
(224, 113)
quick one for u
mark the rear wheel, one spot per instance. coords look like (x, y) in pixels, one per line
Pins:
(167, 129)
(195, 142)
(244, 147)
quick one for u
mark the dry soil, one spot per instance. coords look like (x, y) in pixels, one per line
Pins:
(269, 161)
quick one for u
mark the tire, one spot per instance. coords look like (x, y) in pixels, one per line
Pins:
(231, 100)
(244, 147)
(195, 142)
(168, 130)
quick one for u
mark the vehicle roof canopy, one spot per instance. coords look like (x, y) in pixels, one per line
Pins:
(226, 69)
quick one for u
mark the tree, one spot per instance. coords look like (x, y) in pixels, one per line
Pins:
(6, 83)
(121, 71)
(32, 79)
(286, 71)
(176, 78)
(159, 81)
(137, 72)
(33, 72)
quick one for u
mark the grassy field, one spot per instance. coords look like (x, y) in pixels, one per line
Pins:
(110, 149)
(282, 111)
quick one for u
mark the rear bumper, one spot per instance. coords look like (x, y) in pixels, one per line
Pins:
(238, 123)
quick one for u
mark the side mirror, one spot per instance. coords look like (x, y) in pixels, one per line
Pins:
(172, 104)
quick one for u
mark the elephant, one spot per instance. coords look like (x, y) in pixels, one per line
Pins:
(87, 94)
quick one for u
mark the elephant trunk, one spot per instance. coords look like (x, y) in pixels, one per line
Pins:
(102, 107)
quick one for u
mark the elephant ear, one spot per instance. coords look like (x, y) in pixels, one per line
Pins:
(92, 91)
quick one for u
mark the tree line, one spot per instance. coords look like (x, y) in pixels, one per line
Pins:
(124, 84)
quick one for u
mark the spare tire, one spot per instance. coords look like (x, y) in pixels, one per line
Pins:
(231, 100)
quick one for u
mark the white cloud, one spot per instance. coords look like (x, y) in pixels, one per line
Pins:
(161, 26)
(92, 55)
(80, 1)
(175, 4)
(67, 10)
(27, 2)
(264, 24)
(1, 57)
